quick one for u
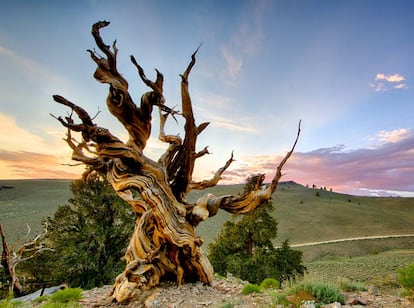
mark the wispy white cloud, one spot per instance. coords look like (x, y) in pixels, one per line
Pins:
(377, 86)
(389, 78)
(401, 86)
(221, 111)
(394, 135)
(246, 40)
(230, 123)
(31, 68)
(233, 62)
(208, 100)
(383, 193)
(241, 125)
(382, 82)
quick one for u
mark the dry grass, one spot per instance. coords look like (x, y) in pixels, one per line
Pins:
(302, 216)
(379, 269)
(28, 202)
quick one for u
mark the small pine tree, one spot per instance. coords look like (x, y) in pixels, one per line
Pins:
(89, 237)
(244, 246)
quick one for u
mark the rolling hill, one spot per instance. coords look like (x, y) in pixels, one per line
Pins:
(304, 215)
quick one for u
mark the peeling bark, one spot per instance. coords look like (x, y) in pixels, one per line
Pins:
(164, 244)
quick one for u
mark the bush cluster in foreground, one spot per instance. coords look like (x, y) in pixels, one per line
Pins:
(406, 279)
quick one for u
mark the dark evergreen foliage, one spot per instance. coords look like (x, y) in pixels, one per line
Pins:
(244, 246)
(89, 237)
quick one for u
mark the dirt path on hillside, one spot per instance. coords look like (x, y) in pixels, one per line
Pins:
(374, 237)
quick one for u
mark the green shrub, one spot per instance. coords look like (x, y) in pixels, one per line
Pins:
(250, 288)
(406, 277)
(219, 276)
(323, 293)
(227, 305)
(270, 283)
(7, 303)
(350, 286)
(41, 299)
(67, 295)
(280, 299)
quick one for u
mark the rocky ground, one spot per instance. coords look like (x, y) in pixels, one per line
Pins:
(227, 293)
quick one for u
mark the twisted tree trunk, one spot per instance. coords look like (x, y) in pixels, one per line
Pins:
(164, 244)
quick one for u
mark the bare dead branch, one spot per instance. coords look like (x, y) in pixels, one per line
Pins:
(82, 114)
(111, 57)
(11, 258)
(155, 86)
(209, 205)
(202, 152)
(278, 174)
(213, 181)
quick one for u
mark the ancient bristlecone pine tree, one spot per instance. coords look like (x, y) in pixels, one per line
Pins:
(164, 244)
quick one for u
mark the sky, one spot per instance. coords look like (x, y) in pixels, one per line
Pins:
(343, 68)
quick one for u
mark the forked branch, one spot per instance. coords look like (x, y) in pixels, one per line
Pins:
(214, 180)
(244, 203)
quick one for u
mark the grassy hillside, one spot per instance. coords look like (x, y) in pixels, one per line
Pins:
(302, 215)
(379, 269)
(28, 202)
(305, 217)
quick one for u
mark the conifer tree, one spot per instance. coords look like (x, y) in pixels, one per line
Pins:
(244, 246)
(89, 236)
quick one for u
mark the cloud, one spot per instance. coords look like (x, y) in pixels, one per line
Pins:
(382, 82)
(401, 86)
(24, 155)
(235, 124)
(388, 168)
(378, 87)
(31, 165)
(246, 40)
(239, 125)
(212, 100)
(389, 78)
(233, 62)
(394, 135)
(31, 68)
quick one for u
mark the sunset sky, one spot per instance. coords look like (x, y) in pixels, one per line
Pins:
(345, 68)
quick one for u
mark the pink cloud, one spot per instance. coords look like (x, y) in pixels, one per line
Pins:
(389, 167)
(30, 165)
(394, 135)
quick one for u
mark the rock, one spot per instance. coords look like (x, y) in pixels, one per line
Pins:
(372, 290)
(152, 301)
(357, 300)
(308, 305)
(227, 293)
(333, 305)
